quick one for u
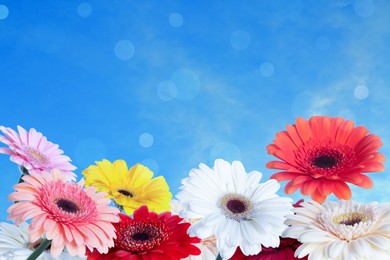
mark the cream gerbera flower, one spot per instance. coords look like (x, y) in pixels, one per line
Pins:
(15, 244)
(341, 230)
(234, 207)
(129, 188)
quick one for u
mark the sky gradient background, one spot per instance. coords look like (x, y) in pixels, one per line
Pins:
(172, 84)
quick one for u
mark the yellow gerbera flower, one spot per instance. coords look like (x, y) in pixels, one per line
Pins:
(129, 188)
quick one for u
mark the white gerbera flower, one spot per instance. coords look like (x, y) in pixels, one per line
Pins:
(207, 246)
(234, 207)
(344, 230)
(15, 245)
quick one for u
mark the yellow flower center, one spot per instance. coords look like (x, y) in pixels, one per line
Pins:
(351, 218)
(36, 155)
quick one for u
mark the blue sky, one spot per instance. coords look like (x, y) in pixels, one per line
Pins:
(172, 84)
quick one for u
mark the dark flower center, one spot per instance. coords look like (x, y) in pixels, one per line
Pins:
(236, 206)
(325, 161)
(126, 193)
(141, 236)
(67, 205)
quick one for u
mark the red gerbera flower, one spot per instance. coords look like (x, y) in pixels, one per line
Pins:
(285, 251)
(150, 236)
(322, 154)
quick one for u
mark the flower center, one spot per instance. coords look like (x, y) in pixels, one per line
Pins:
(126, 193)
(235, 206)
(67, 205)
(141, 236)
(325, 161)
(350, 219)
(36, 156)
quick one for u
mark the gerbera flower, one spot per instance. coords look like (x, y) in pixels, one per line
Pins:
(234, 207)
(129, 188)
(64, 212)
(15, 245)
(150, 236)
(207, 246)
(322, 154)
(341, 230)
(285, 251)
(32, 151)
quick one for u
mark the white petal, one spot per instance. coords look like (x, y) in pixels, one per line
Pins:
(305, 249)
(379, 241)
(335, 248)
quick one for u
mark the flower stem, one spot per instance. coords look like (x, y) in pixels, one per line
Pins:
(219, 257)
(39, 250)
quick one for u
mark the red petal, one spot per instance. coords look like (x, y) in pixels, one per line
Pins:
(280, 165)
(309, 187)
(318, 197)
(290, 188)
(334, 126)
(292, 132)
(344, 131)
(283, 176)
(359, 180)
(303, 129)
(326, 187)
(284, 142)
(357, 134)
(342, 191)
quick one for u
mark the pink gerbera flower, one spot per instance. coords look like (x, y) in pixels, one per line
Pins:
(67, 214)
(32, 151)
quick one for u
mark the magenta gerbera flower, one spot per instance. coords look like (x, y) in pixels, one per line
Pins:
(67, 214)
(32, 151)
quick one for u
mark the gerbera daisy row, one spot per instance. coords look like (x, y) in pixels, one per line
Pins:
(230, 211)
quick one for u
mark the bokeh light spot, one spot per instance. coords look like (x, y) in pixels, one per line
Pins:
(176, 20)
(124, 50)
(361, 92)
(267, 69)
(364, 8)
(84, 10)
(240, 39)
(146, 140)
(3, 12)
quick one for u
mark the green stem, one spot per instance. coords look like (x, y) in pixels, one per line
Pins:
(39, 250)
(219, 257)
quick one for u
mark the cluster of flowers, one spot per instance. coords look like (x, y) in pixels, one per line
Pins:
(222, 212)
